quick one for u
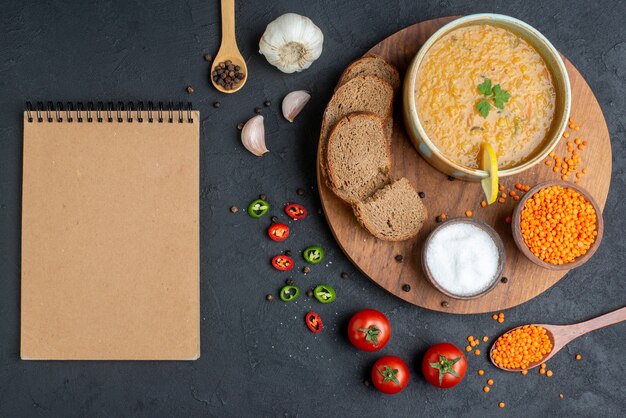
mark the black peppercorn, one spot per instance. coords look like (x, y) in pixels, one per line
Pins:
(216, 105)
(274, 219)
(306, 270)
(189, 89)
(289, 282)
(504, 280)
(234, 209)
(344, 275)
(269, 298)
(309, 293)
(267, 103)
(227, 75)
(399, 258)
(444, 304)
(240, 125)
(263, 196)
(300, 192)
(366, 382)
(258, 110)
(406, 287)
(208, 57)
(422, 195)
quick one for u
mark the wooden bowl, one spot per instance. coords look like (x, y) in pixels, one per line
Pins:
(497, 241)
(517, 231)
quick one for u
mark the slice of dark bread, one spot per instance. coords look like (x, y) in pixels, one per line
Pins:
(372, 65)
(358, 156)
(393, 213)
(361, 94)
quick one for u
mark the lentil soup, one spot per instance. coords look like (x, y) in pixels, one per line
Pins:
(447, 95)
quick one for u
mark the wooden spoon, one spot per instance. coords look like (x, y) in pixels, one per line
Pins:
(561, 335)
(228, 49)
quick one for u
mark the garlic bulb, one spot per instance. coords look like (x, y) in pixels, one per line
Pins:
(293, 103)
(253, 136)
(291, 43)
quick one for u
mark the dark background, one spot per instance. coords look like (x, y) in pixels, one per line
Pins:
(258, 358)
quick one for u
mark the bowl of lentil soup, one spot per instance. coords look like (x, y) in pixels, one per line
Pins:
(557, 225)
(486, 78)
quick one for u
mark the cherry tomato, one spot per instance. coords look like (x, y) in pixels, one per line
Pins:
(390, 374)
(282, 262)
(314, 322)
(444, 365)
(278, 232)
(295, 211)
(369, 330)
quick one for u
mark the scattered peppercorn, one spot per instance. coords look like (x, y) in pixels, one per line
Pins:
(289, 282)
(468, 348)
(234, 209)
(501, 405)
(258, 110)
(263, 196)
(274, 219)
(524, 372)
(240, 125)
(344, 275)
(485, 338)
(481, 372)
(227, 75)
(578, 357)
(399, 258)
(269, 298)
(300, 191)
(306, 269)
(208, 57)
(490, 382)
(443, 216)
(561, 395)
(406, 287)
(468, 213)
(309, 293)
(366, 382)
(486, 389)
(216, 104)
(542, 371)
(422, 195)
(483, 204)
(504, 280)
(267, 103)
(549, 373)
(477, 352)
(189, 89)
(444, 304)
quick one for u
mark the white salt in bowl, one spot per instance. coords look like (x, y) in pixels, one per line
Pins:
(463, 258)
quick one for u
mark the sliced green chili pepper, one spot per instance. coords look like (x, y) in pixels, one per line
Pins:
(324, 293)
(289, 293)
(258, 208)
(313, 254)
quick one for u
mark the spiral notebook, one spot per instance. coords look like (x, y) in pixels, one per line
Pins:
(110, 232)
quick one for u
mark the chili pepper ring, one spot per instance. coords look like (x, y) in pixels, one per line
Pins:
(324, 293)
(313, 255)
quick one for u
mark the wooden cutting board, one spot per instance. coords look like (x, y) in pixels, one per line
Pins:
(376, 258)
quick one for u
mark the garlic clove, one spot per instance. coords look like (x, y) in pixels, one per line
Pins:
(294, 102)
(291, 43)
(253, 136)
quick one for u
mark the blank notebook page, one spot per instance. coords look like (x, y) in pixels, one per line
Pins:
(110, 240)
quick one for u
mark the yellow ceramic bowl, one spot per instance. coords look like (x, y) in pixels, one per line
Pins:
(559, 77)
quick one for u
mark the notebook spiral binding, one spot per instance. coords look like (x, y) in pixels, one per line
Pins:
(120, 112)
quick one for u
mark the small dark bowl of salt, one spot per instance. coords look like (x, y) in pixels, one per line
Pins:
(463, 258)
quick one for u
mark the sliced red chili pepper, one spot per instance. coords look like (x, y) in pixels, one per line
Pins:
(314, 322)
(278, 232)
(282, 262)
(295, 211)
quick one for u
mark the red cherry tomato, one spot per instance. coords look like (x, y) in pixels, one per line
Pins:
(278, 232)
(369, 330)
(314, 322)
(444, 365)
(295, 211)
(282, 262)
(390, 374)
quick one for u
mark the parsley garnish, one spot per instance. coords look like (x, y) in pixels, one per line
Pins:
(499, 96)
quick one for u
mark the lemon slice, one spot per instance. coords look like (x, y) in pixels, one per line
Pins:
(489, 163)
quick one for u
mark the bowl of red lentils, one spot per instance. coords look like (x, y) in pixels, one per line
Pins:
(557, 225)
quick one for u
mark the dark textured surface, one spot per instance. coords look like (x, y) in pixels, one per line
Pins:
(258, 359)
